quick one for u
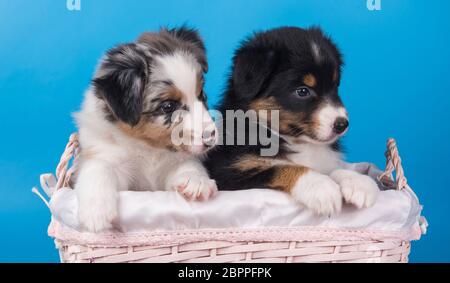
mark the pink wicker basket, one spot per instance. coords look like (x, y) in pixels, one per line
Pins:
(228, 246)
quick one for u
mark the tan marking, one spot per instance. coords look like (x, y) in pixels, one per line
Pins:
(286, 117)
(152, 134)
(250, 162)
(335, 76)
(310, 80)
(171, 93)
(268, 103)
(286, 177)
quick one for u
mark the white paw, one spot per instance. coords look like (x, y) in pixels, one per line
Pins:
(194, 186)
(97, 215)
(357, 189)
(319, 193)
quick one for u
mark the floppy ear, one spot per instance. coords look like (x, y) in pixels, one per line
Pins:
(193, 37)
(251, 71)
(121, 80)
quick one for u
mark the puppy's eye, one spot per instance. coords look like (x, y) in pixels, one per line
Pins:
(169, 106)
(303, 92)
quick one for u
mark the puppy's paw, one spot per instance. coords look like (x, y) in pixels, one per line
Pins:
(319, 193)
(194, 186)
(357, 189)
(97, 216)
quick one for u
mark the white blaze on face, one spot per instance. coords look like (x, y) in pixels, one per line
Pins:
(324, 121)
(183, 70)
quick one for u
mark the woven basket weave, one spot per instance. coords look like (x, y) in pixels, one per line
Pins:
(234, 251)
(221, 251)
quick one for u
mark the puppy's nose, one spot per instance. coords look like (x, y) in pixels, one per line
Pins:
(340, 125)
(209, 138)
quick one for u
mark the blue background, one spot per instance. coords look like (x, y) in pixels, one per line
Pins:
(395, 83)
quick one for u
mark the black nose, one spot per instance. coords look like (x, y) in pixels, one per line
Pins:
(340, 125)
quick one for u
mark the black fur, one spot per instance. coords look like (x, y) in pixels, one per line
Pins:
(122, 85)
(267, 65)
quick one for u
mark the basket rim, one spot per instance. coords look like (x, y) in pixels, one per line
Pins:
(66, 234)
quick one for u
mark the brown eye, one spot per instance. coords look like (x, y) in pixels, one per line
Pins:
(169, 106)
(303, 92)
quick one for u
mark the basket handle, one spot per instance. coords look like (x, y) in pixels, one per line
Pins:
(63, 171)
(393, 162)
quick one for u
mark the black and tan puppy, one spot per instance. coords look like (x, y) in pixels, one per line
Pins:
(295, 74)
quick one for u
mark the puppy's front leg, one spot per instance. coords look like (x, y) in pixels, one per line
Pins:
(97, 187)
(191, 180)
(316, 191)
(358, 189)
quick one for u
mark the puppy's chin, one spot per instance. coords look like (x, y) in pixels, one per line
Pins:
(314, 140)
(196, 150)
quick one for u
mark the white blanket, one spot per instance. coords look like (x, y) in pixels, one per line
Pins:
(257, 208)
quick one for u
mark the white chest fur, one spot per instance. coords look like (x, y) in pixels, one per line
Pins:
(320, 158)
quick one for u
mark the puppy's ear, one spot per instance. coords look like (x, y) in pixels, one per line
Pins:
(121, 81)
(192, 36)
(251, 71)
